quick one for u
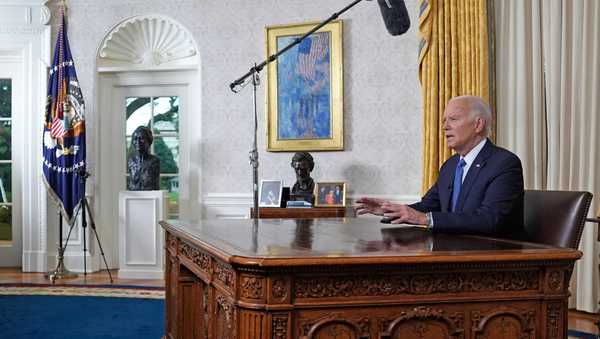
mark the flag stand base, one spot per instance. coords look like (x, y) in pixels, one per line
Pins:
(60, 272)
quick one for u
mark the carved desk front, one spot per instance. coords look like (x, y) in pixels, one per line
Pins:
(353, 278)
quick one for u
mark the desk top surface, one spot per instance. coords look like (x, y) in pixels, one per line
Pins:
(268, 242)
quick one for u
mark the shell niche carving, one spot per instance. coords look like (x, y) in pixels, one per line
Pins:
(149, 41)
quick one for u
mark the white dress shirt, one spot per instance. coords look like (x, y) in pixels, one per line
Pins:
(470, 157)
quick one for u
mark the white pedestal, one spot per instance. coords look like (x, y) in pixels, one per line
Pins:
(140, 236)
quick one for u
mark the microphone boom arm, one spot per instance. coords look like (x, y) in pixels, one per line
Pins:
(273, 57)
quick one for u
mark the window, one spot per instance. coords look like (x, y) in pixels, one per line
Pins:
(5, 160)
(161, 115)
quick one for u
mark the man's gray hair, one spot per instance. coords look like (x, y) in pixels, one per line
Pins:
(479, 108)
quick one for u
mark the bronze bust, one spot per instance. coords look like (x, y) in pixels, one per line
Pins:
(143, 167)
(303, 164)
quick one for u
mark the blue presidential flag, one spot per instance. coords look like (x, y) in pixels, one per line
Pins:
(64, 130)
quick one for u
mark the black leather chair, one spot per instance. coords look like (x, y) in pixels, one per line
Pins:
(597, 221)
(556, 217)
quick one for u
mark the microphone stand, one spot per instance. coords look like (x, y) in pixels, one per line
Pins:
(254, 72)
(85, 208)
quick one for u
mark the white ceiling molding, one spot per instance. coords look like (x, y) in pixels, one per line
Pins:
(147, 42)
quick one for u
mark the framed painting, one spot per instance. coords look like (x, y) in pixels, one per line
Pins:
(305, 89)
(330, 194)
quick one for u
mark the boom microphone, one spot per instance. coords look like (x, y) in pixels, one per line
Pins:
(395, 16)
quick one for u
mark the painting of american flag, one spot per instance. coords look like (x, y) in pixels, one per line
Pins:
(305, 92)
(304, 88)
(64, 130)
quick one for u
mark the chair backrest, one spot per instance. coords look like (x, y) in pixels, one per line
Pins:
(556, 217)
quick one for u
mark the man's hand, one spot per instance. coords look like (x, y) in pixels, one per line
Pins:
(403, 214)
(369, 205)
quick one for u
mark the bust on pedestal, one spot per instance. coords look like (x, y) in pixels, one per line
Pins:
(141, 207)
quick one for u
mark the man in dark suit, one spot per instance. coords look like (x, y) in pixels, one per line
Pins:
(479, 189)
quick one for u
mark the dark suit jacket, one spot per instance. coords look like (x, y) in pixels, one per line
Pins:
(491, 196)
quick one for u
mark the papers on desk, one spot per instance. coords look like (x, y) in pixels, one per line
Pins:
(298, 204)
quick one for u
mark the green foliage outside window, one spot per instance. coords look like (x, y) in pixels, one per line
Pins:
(6, 157)
(5, 98)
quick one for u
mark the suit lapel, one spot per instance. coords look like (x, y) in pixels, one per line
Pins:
(473, 172)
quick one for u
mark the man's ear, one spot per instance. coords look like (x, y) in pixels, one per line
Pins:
(479, 124)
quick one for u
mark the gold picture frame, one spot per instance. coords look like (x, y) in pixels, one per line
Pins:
(330, 194)
(305, 89)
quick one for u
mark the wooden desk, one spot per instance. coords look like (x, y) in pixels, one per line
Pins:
(300, 213)
(355, 278)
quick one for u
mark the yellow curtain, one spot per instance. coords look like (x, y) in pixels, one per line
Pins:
(453, 60)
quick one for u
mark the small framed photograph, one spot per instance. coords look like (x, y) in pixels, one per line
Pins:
(270, 193)
(330, 194)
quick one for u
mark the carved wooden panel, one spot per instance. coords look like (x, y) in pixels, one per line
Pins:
(171, 295)
(424, 322)
(555, 320)
(279, 290)
(504, 322)
(416, 284)
(171, 242)
(279, 326)
(198, 257)
(252, 287)
(554, 280)
(224, 273)
(224, 318)
(334, 325)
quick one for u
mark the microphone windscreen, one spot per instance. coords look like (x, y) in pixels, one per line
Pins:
(396, 18)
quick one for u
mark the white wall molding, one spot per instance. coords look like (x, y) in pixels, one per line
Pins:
(174, 71)
(147, 42)
(24, 14)
(28, 37)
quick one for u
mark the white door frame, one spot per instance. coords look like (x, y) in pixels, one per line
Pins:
(114, 87)
(11, 67)
(25, 34)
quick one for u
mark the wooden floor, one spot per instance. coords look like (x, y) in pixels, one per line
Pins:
(15, 276)
(580, 321)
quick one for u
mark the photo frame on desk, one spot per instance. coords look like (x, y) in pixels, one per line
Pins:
(305, 89)
(270, 193)
(330, 194)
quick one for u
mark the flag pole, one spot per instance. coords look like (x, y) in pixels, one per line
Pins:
(60, 272)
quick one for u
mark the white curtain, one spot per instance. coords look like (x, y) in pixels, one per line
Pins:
(548, 102)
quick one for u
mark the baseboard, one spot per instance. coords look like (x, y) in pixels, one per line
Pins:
(35, 261)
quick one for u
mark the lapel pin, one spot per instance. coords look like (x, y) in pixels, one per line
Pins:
(477, 165)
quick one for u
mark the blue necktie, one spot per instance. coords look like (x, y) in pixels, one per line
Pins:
(457, 183)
